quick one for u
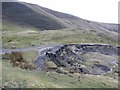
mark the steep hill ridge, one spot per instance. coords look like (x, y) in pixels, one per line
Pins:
(42, 18)
(22, 14)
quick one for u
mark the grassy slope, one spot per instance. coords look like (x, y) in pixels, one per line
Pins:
(25, 14)
(30, 56)
(16, 77)
(13, 27)
(22, 37)
(19, 78)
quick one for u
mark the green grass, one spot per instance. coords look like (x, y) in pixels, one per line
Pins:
(51, 64)
(30, 55)
(19, 78)
(53, 37)
(22, 36)
(10, 27)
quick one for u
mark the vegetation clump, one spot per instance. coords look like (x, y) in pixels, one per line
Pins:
(16, 59)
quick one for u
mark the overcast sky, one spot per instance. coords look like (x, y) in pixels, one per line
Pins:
(95, 10)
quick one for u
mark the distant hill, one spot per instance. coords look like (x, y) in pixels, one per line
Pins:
(26, 14)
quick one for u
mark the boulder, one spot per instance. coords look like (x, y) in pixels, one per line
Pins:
(84, 70)
(98, 69)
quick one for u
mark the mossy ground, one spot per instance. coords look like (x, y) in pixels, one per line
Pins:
(23, 37)
(19, 78)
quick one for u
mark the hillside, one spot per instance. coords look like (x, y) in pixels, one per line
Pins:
(23, 14)
(43, 18)
(61, 66)
(43, 48)
(80, 23)
(24, 23)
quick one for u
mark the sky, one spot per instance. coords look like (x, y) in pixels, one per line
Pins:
(95, 10)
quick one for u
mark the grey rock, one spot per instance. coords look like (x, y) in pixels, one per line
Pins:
(71, 55)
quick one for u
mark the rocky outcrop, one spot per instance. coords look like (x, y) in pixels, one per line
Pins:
(99, 69)
(71, 55)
